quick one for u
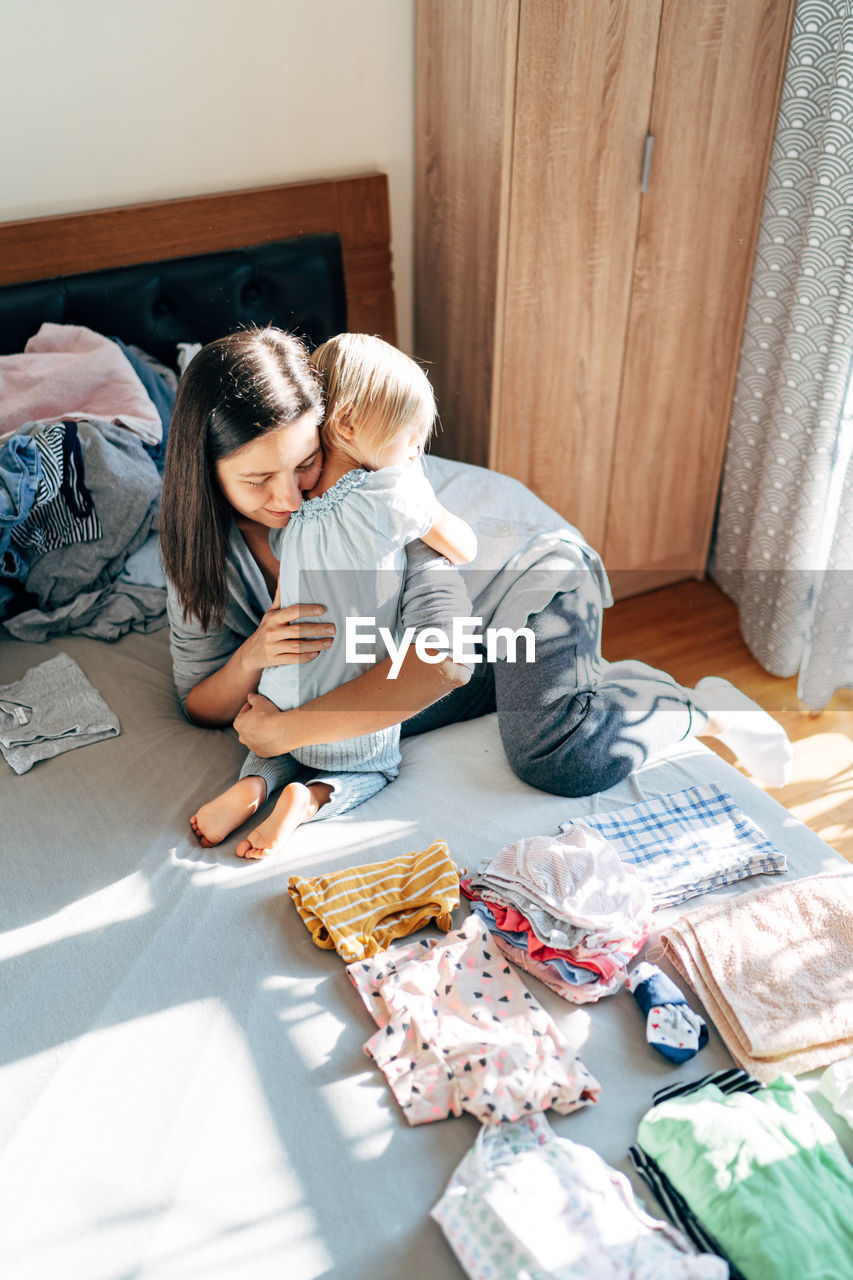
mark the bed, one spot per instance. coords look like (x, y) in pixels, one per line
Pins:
(184, 1087)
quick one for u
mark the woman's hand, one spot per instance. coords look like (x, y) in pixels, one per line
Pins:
(284, 638)
(259, 726)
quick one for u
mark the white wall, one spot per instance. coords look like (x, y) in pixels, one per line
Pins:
(107, 102)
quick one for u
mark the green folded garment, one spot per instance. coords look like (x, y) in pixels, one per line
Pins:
(763, 1173)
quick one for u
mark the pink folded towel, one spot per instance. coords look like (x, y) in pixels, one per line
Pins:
(69, 372)
(774, 969)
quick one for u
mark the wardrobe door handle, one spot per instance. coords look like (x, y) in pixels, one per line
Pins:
(647, 163)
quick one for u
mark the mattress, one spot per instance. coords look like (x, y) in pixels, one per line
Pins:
(184, 1090)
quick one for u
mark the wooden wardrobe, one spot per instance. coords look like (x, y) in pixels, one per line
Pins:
(590, 177)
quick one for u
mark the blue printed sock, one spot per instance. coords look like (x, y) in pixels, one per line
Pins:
(671, 1025)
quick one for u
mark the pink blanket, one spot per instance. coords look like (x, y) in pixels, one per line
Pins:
(774, 969)
(68, 371)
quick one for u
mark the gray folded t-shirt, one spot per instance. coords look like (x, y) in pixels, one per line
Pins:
(51, 709)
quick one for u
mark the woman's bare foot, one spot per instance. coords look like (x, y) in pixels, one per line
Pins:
(218, 818)
(296, 804)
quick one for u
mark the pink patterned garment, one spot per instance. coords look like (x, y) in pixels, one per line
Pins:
(458, 1031)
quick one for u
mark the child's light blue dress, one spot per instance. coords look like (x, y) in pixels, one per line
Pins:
(346, 551)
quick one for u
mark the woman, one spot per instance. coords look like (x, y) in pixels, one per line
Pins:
(244, 447)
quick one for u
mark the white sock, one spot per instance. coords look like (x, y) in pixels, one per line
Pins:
(760, 743)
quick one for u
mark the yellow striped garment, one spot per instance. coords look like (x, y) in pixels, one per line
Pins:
(361, 910)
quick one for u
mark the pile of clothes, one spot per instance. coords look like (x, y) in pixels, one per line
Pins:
(47, 504)
(83, 424)
(565, 908)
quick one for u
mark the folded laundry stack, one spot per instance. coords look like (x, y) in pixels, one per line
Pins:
(773, 969)
(686, 843)
(753, 1173)
(566, 909)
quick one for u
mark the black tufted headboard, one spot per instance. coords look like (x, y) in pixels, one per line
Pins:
(297, 284)
(312, 256)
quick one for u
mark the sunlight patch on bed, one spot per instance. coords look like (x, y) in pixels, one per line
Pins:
(315, 1034)
(190, 1239)
(576, 1028)
(368, 1129)
(126, 900)
(185, 1162)
(313, 1031)
(319, 844)
(315, 848)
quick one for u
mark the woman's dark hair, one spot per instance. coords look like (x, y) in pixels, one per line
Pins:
(233, 391)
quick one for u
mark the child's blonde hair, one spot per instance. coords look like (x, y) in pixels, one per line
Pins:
(373, 386)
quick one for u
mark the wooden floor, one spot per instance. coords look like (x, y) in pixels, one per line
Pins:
(691, 630)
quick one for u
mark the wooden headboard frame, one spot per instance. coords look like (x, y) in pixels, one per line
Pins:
(355, 208)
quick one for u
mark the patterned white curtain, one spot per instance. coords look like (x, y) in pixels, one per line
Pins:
(784, 542)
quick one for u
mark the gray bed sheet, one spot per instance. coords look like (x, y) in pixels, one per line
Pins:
(183, 1086)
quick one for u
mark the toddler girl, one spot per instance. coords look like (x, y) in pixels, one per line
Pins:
(345, 546)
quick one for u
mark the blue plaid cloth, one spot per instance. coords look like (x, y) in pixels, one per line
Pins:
(687, 843)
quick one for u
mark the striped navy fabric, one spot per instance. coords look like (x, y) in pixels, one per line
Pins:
(63, 511)
(676, 1207)
(728, 1080)
(50, 444)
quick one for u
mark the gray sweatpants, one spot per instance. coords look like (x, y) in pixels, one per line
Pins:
(572, 723)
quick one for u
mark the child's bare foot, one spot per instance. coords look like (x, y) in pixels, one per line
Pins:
(296, 804)
(218, 818)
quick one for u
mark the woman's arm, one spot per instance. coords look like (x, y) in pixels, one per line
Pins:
(215, 701)
(215, 672)
(369, 702)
